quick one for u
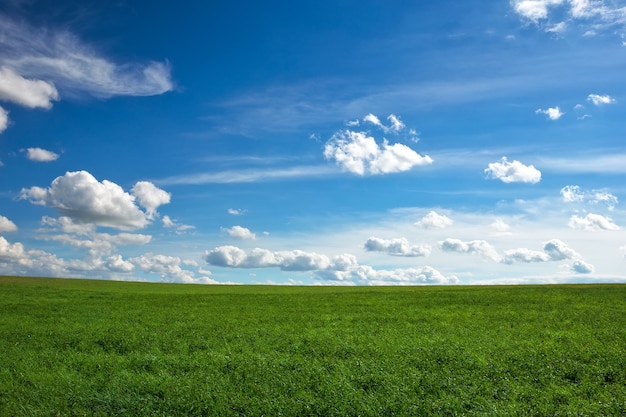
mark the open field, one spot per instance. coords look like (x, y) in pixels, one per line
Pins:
(75, 347)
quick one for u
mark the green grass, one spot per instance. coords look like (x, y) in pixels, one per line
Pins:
(75, 347)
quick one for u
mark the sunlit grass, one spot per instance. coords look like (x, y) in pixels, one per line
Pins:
(74, 347)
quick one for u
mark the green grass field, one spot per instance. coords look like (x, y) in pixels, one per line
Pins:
(76, 347)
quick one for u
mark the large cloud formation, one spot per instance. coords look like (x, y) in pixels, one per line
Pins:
(344, 268)
(81, 197)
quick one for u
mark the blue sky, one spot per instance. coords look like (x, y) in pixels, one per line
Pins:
(315, 143)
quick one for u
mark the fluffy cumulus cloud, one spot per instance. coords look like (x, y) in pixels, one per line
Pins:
(344, 268)
(552, 113)
(360, 154)
(515, 171)
(84, 199)
(239, 232)
(478, 247)
(150, 197)
(41, 155)
(25, 92)
(117, 264)
(434, 220)
(57, 56)
(592, 222)
(599, 100)
(396, 247)
(7, 225)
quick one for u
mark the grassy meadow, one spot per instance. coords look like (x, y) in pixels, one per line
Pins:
(102, 348)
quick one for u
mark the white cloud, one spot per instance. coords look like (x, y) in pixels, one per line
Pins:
(515, 171)
(360, 154)
(7, 225)
(343, 268)
(572, 193)
(396, 247)
(28, 93)
(479, 247)
(500, 225)
(524, 255)
(599, 100)
(396, 123)
(582, 267)
(592, 222)
(169, 268)
(370, 118)
(558, 250)
(591, 16)
(41, 155)
(557, 28)
(236, 212)
(150, 197)
(553, 113)
(553, 250)
(117, 264)
(4, 119)
(180, 228)
(74, 67)
(239, 232)
(433, 220)
(84, 199)
(534, 10)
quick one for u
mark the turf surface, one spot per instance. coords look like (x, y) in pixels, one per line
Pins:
(80, 347)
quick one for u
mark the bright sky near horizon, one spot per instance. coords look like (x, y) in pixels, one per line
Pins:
(314, 142)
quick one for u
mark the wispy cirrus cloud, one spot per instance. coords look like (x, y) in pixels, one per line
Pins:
(589, 16)
(62, 58)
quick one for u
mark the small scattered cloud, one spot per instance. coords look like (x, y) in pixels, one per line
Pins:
(358, 153)
(239, 232)
(433, 220)
(553, 113)
(592, 222)
(572, 193)
(180, 228)
(396, 247)
(7, 225)
(41, 155)
(509, 172)
(150, 197)
(558, 28)
(236, 212)
(599, 100)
